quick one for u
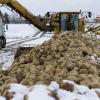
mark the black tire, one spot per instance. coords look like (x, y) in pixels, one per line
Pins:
(3, 42)
(0, 43)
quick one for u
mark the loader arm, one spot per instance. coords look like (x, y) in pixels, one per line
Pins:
(22, 11)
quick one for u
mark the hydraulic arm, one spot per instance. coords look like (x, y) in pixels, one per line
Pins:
(22, 11)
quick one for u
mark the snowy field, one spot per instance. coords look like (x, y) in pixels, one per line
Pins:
(20, 31)
(6, 59)
(21, 34)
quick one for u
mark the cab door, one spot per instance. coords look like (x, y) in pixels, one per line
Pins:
(64, 23)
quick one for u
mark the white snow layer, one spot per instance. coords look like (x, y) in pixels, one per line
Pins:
(6, 59)
(2, 98)
(98, 36)
(20, 31)
(41, 92)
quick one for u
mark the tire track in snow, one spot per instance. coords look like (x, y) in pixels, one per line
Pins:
(18, 42)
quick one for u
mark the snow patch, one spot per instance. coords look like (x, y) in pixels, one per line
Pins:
(53, 86)
(20, 31)
(98, 36)
(2, 98)
(18, 88)
(41, 92)
(6, 59)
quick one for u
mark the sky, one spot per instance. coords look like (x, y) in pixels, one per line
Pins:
(42, 6)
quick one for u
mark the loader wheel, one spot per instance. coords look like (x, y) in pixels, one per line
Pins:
(2, 42)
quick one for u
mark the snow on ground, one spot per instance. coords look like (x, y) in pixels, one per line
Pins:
(6, 59)
(37, 41)
(43, 92)
(17, 31)
(98, 36)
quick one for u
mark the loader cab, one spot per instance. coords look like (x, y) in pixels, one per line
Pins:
(2, 32)
(69, 21)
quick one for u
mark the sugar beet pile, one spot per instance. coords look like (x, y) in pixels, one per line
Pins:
(66, 56)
